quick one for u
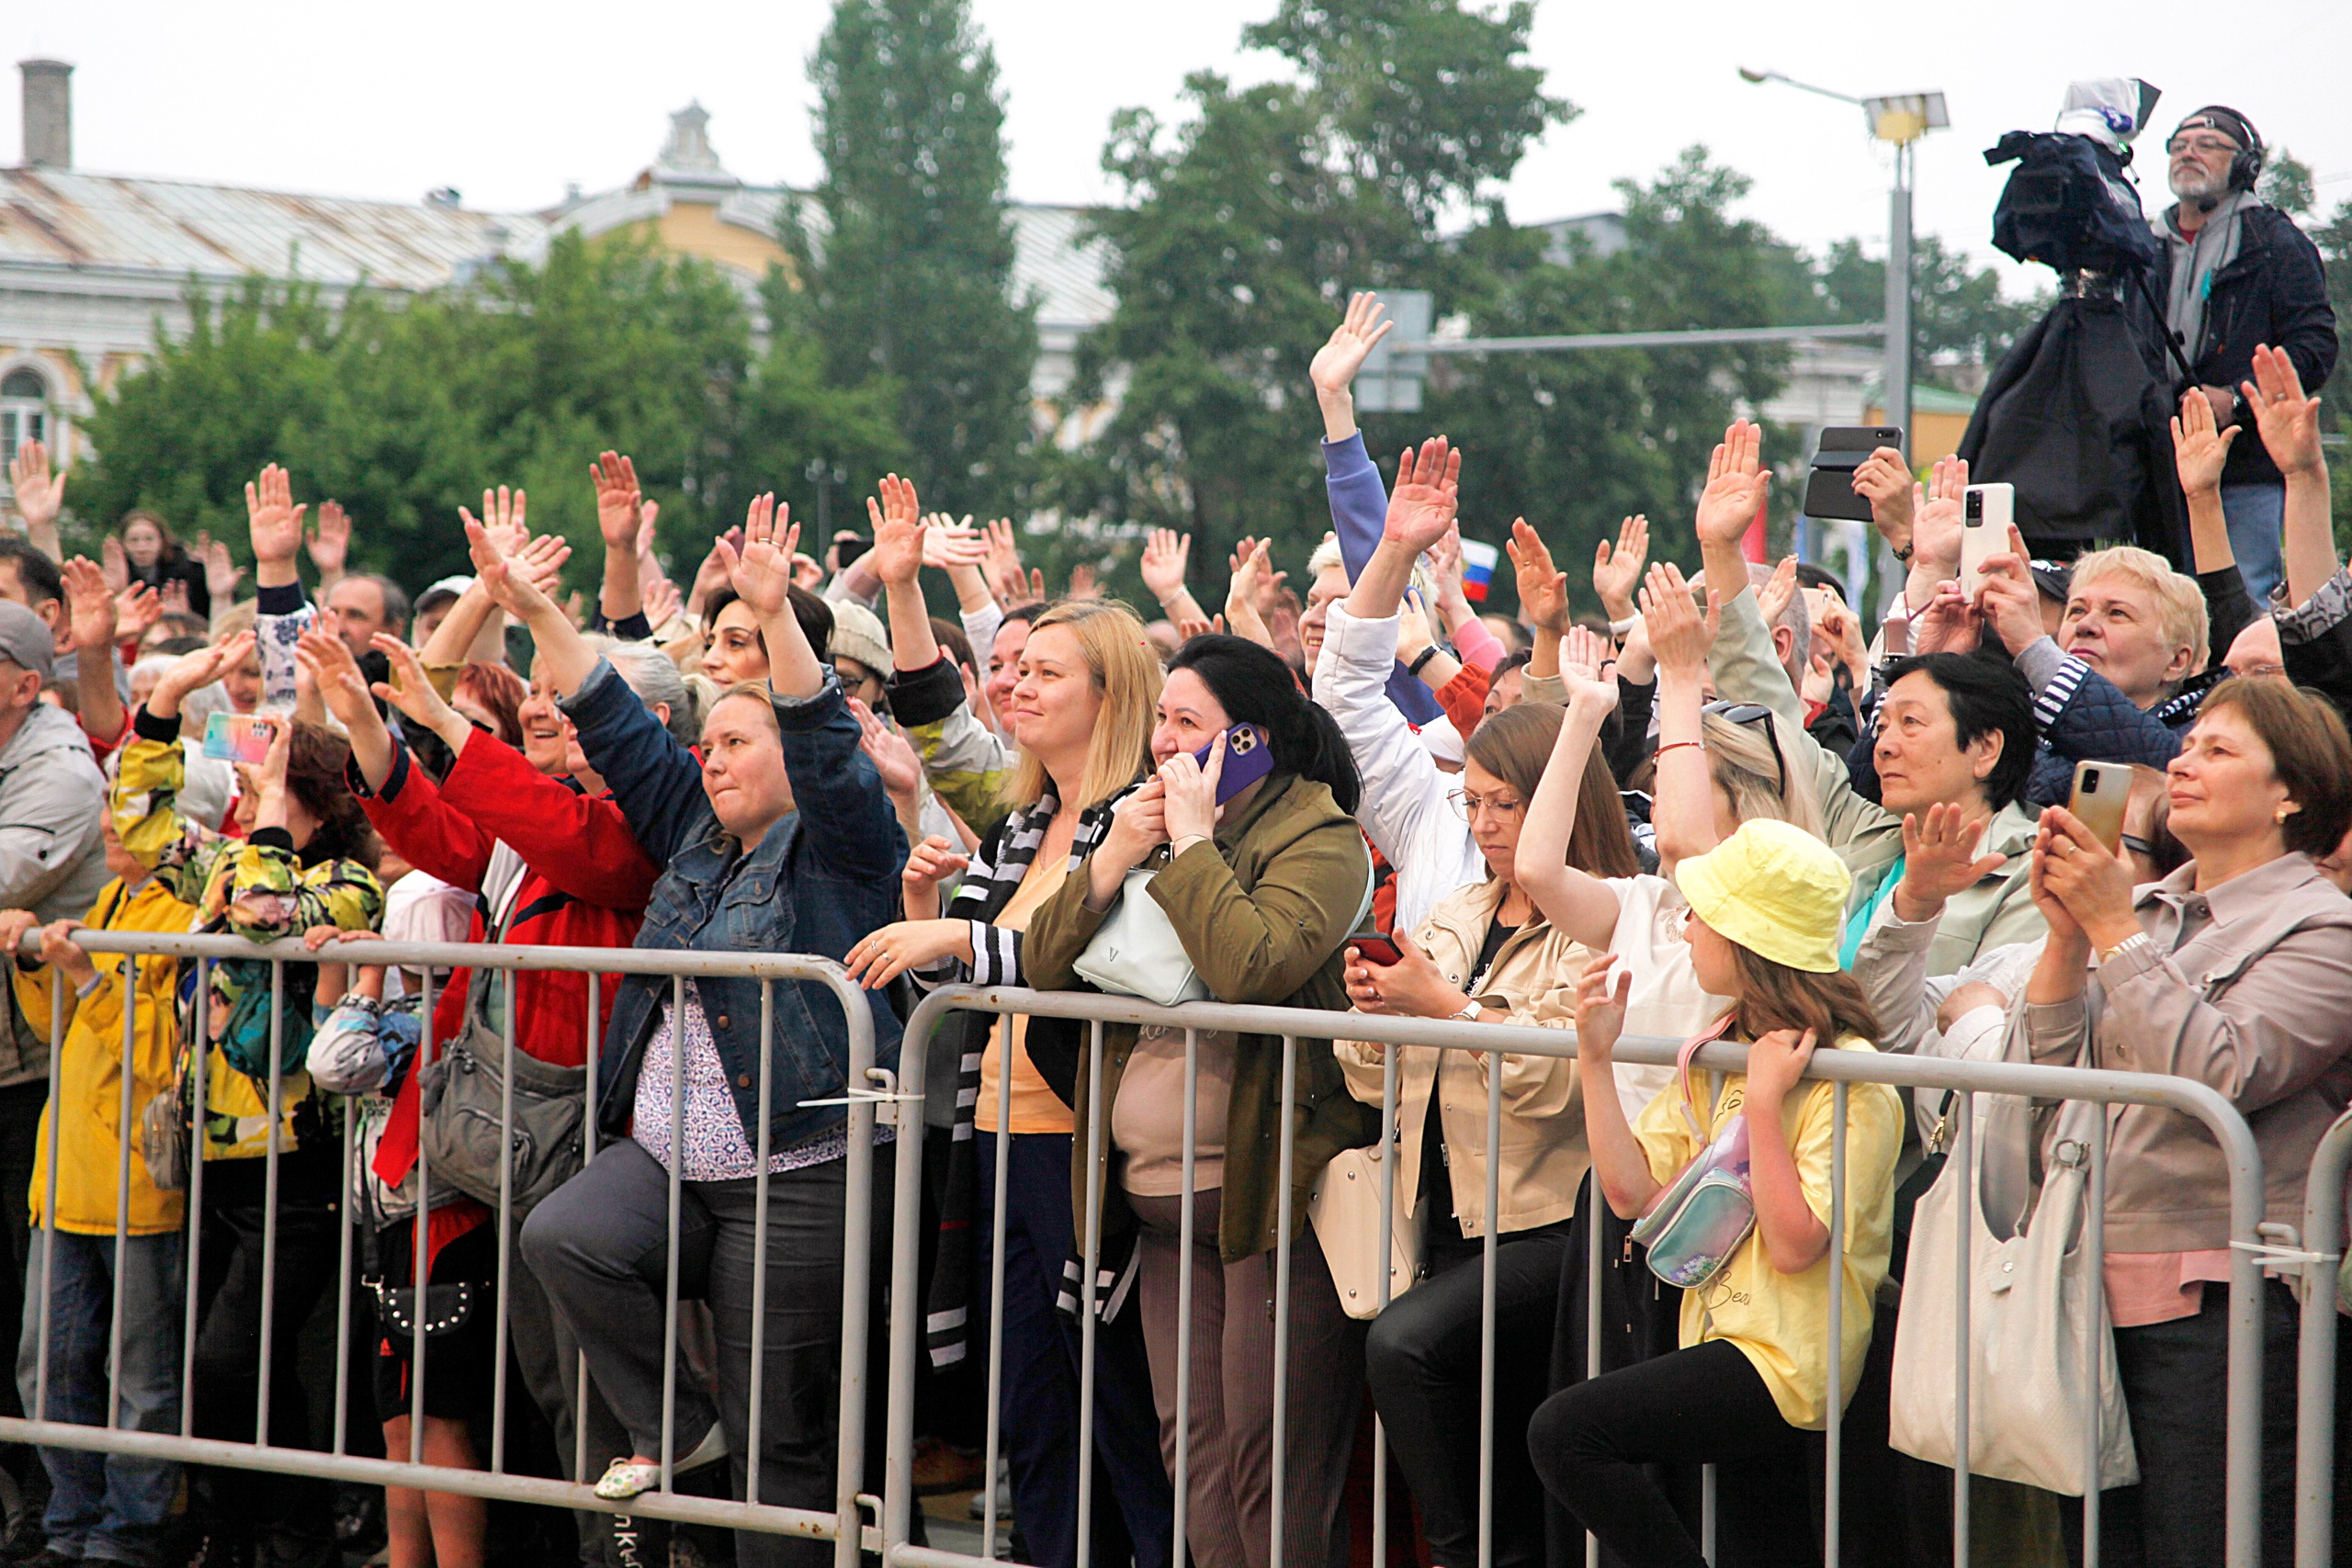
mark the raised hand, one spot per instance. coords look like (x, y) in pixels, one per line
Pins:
(1543, 588)
(502, 519)
(1616, 573)
(1938, 508)
(1772, 599)
(1737, 484)
(40, 495)
(330, 541)
(542, 560)
(2289, 422)
(90, 606)
(116, 565)
(1679, 635)
(410, 690)
(136, 609)
(620, 503)
(272, 521)
(947, 544)
(1601, 994)
(1166, 554)
(220, 570)
(1884, 480)
(1334, 367)
(1421, 506)
(509, 587)
(711, 576)
(898, 533)
(662, 601)
(2009, 600)
(1583, 652)
(1940, 860)
(174, 596)
(2198, 450)
(761, 571)
(1001, 565)
(192, 671)
(2094, 885)
(336, 675)
(891, 755)
(1190, 627)
(1083, 582)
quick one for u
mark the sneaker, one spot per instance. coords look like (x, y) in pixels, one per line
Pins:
(979, 1505)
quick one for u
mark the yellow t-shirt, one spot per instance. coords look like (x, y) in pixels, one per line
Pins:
(1780, 1322)
(1036, 1107)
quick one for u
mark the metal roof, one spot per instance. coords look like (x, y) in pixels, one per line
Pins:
(78, 222)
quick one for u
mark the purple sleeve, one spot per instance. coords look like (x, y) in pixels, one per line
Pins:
(1359, 512)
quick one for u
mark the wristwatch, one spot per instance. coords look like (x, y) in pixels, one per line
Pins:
(1469, 1013)
(2132, 943)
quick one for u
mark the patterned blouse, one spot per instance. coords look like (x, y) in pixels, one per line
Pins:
(716, 1149)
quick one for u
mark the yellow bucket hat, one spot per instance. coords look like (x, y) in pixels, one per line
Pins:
(1774, 889)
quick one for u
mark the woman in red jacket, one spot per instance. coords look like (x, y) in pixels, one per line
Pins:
(537, 836)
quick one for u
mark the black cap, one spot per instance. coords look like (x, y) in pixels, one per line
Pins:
(2053, 578)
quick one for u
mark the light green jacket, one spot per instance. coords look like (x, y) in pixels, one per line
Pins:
(1998, 910)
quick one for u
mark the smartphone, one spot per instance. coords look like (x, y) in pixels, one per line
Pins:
(1829, 487)
(2101, 792)
(1249, 757)
(239, 737)
(1985, 518)
(1375, 948)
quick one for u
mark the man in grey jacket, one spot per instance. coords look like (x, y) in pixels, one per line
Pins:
(52, 861)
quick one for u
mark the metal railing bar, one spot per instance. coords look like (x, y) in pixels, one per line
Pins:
(1488, 1264)
(505, 1229)
(994, 1442)
(676, 1190)
(269, 1196)
(346, 1210)
(582, 1389)
(1595, 1259)
(857, 1278)
(123, 1124)
(1388, 1158)
(758, 1380)
(1833, 1489)
(492, 955)
(1098, 1118)
(48, 1207)
(1181, 1480)
(1964, 1151)
(2094, 1237)
(232, 1455)
(906, 1316)
(1283, 1166)
(200, 1100)
(2316, 1393)
(420, 1227)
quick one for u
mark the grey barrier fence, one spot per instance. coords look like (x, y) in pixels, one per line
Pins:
(2250, 1251)
(491, 964)
(874, 1098)
(2315, 1390)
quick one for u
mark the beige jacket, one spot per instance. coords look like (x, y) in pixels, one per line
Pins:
(2257, 1003)
(1535, 980)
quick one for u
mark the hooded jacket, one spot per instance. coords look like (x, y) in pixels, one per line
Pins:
(52, 804)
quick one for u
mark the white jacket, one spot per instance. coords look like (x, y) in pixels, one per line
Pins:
(1405, 811)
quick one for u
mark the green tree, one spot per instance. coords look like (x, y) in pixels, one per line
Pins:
(2287, 184)
(909, 279)
(1247, 223)
(1958, 315)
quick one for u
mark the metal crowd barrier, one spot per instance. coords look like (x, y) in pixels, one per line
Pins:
(2315, 1390)
(2042, 1083)
(840, 1525)
(873, 1097)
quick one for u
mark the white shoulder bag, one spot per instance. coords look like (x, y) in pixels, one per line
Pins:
(2037, 1319)
(1137, 952)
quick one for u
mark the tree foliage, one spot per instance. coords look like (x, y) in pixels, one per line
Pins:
(1958, 316)
(910, 280)
(403, 410)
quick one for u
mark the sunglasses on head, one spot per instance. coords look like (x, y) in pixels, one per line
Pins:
(1756, 713)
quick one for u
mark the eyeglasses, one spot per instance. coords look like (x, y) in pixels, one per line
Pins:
(1756, 713)
(2201, 145)
(1467, 806)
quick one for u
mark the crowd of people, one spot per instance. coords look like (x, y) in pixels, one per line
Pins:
(1732, 805)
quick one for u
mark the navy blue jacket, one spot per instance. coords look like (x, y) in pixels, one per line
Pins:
(817, 882)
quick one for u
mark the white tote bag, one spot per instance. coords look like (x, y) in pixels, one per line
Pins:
(2034, 1300)
(1344, 1208)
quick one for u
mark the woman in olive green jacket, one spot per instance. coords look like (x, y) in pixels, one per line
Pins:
(1263, 892)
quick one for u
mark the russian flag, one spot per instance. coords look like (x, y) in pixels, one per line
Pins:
(1477, 568)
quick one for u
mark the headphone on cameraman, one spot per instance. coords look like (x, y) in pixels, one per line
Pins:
(2245, 164)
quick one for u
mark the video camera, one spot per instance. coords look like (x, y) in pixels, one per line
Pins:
(2068, 205)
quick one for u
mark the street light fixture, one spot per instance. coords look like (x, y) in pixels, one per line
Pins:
(1898, 119)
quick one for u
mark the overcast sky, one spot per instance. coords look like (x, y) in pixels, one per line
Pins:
(509, 102)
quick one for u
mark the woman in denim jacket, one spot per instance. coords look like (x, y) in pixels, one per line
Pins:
(780, 840)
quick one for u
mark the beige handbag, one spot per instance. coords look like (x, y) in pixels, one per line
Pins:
(2037, 1307)
(1344, 1208)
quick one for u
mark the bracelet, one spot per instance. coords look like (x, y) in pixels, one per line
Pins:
(1186, 843)
(1903, 554)
(1671, 745)
(1421, 659)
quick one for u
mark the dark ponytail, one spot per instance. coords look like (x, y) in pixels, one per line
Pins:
(1254, 686)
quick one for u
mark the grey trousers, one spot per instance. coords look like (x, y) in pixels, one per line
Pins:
(548, 1358)
(599, 1247)
(1229, 1519)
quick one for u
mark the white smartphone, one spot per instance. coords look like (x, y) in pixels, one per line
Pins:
(1985, 518)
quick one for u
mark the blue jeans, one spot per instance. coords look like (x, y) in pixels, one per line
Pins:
(2256, 515)
(106, 1507)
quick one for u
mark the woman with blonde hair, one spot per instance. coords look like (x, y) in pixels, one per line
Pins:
(1083, 716)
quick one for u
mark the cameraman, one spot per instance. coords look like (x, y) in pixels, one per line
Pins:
(2237, 273)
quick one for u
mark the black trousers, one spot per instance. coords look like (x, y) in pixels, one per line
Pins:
(1421, 1360)
(292, 1517)
(1703, 1405)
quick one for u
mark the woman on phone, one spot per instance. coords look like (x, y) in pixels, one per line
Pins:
(1752, 1375)
(1487, 954)
(1263, 886)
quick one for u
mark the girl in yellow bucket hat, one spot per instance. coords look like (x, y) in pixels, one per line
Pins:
(1752, 1376)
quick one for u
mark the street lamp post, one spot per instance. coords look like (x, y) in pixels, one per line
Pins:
(1898, 119)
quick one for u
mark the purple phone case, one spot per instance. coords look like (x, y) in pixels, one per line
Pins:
(1249, 757)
